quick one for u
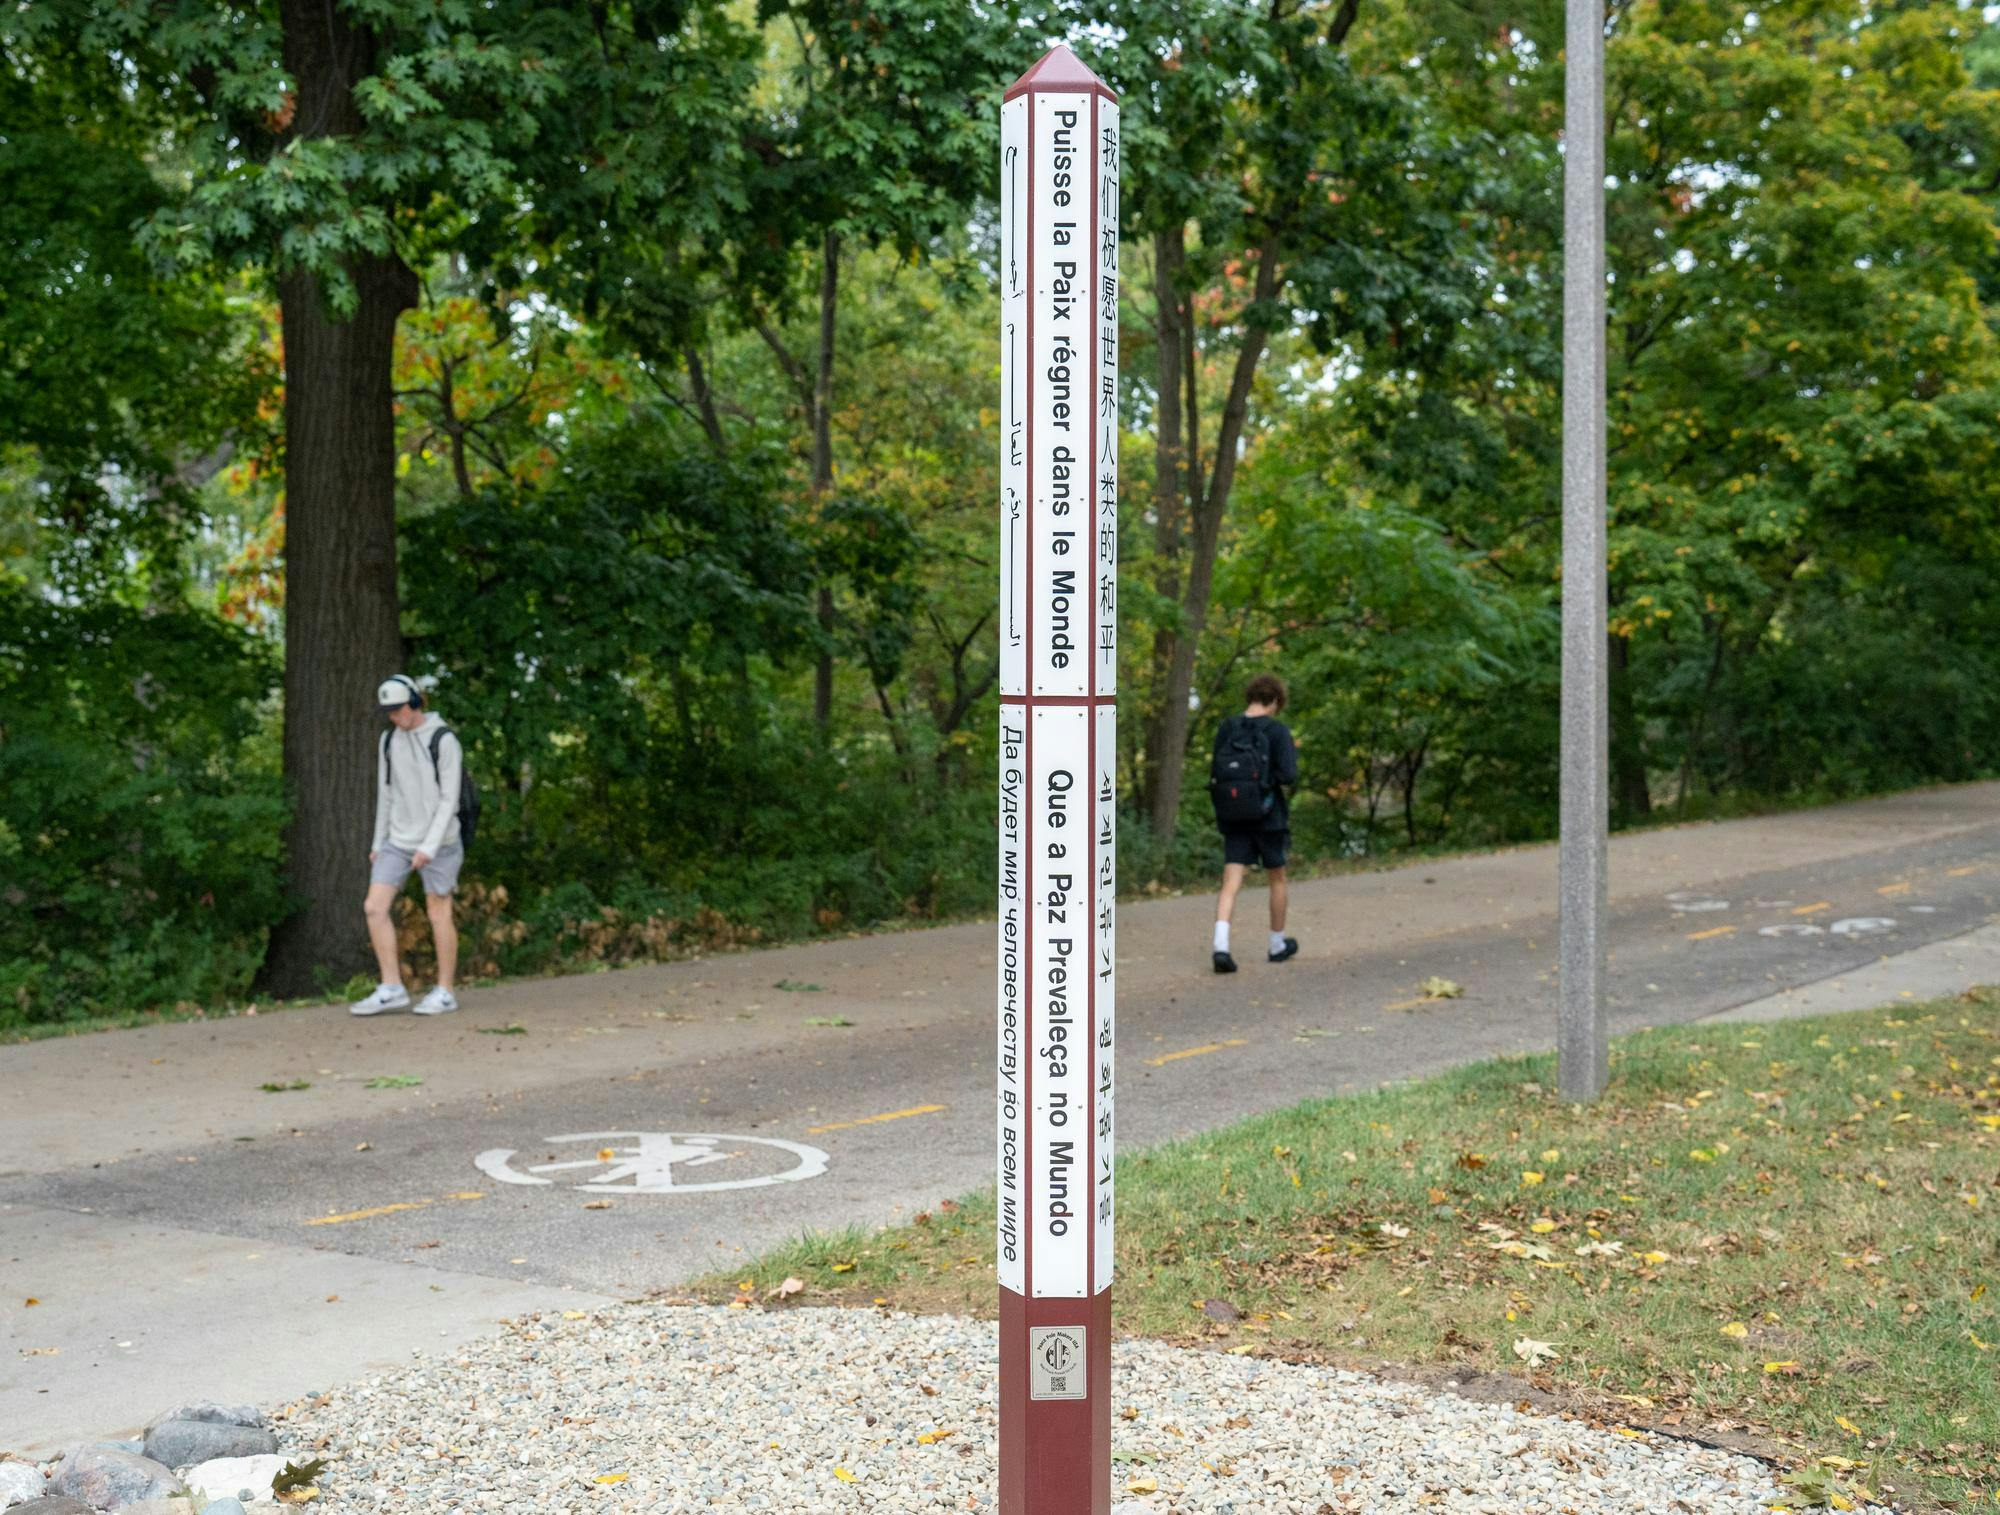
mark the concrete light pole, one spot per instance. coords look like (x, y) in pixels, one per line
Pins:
(1058, 745)
(1582, 1054)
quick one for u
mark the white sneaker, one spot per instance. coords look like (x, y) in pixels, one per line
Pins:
(440, 1001)
(385, 997)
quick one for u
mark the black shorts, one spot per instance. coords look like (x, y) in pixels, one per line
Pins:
(1247, 847)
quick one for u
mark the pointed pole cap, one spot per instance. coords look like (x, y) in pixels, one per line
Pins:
(1060, 69)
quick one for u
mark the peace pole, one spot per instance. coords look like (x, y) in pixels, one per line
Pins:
(1058, 743)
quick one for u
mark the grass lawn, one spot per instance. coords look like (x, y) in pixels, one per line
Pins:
(1777, 1236)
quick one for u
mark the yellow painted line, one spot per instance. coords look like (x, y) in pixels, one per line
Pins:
(1813, 909)
(1202, 1051)
(1961, 872)
(341, 1220)
(1702, 936)
(875, 1120)
(1902, 888)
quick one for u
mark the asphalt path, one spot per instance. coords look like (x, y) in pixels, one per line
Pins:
(188, 1233)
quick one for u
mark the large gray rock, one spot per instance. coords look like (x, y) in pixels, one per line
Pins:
(107, 1479)
(243, 1478)
(19, 1482)
(54, 1504)
(160, 1507)
(204, 1431)
(210, 1410)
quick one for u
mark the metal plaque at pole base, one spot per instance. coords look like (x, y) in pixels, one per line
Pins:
(1058, 744)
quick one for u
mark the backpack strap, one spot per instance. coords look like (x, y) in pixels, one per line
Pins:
(385, 760)
(437, 740)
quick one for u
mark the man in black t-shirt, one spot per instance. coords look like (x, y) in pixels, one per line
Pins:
(1266, 839)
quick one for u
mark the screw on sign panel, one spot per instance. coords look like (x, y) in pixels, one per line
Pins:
(1058, 536)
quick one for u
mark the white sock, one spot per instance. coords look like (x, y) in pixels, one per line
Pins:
(1277, 941)
(1222, 936)
(396, 985)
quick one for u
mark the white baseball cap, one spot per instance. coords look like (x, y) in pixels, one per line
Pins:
(397, 690)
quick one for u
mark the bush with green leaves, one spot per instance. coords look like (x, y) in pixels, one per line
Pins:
(140, 809)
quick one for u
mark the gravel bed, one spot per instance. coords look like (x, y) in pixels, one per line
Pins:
(671, 1408)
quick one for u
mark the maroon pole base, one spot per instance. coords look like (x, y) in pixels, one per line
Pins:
(1055, 1454)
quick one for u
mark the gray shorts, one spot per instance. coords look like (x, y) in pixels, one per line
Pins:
(392, 865)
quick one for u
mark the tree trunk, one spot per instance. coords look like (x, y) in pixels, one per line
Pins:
(342, 631)
(704, 400)
(1167, 761)
(822, 473)
(1632, 794)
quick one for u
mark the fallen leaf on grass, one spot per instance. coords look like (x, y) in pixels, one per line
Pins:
(844, 1267)
(1221, 1310)
(1535, 1353)
(1530, 1178)
(1789, 1369)
(788, 1288)
(1736, 1330)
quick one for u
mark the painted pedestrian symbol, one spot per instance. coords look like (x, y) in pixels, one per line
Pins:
(658, 1162)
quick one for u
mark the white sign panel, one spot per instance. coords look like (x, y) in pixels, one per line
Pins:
(1104, 469)
(1104, 983)
(1012, 1136)
(1013, 397)
(1059, 1043)
(1060, 408)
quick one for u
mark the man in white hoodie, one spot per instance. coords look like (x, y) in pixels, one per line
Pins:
(419, 767)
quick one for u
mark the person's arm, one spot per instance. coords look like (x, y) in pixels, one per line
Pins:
(1284, 756)
(450, 764)
(381, 797)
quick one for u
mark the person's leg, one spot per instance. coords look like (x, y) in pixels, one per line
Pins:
(1279, 898)
(1232, 885)
(444, 932)
(382, 931)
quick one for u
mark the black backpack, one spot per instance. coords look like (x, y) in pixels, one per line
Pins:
(1239, 775)
(468, 792)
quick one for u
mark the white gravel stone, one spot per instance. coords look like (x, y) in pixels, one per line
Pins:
(19, 1483)
(244, 1478)
(667, 1409)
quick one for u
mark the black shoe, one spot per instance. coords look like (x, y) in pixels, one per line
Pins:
(1291, 950)
(1224, 963)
